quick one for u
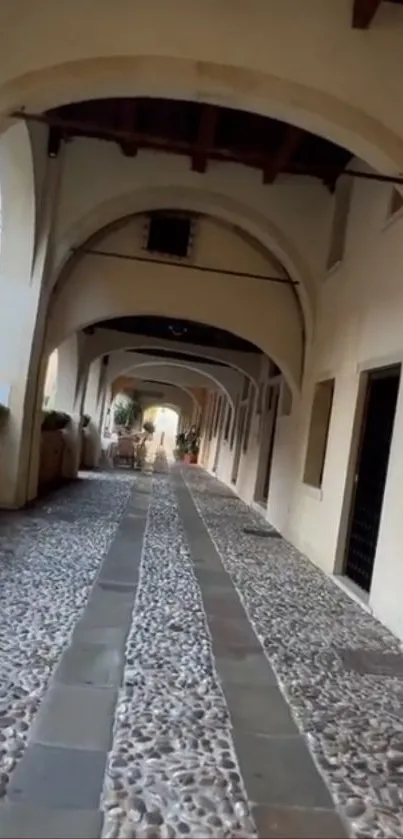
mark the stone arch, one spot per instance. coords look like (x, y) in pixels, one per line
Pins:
(114, 213)
(270, 92)
(186, 366)
(170, 386)
(227, 358)
(95, 292)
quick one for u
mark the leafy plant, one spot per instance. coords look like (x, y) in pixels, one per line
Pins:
(4, 412)
(55, 421)
(127, 412)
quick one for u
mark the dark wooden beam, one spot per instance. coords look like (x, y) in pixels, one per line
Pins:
(84, 128)
(128, 124)
(205, 138)
(283, 157)
(364, 12)
(54, 142)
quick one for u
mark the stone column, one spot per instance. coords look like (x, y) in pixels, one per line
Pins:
(28, 219)
(93, 405)
(70, 398)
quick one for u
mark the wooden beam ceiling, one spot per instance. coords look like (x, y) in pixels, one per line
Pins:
(282, 158)
(129, 125)
(200, 132)
(205, 138)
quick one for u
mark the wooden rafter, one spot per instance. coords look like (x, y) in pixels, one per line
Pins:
(129, 125)
(123, 125)
(205, 138)
(282, 158)
(364, 12)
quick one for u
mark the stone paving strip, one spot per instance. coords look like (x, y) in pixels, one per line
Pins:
(340, 670)
(172, 770)
(50, 558)
(288, 795)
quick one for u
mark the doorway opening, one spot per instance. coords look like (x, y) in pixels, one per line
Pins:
(268, 435)
(238, 444)
(370, 473)
(221, 416)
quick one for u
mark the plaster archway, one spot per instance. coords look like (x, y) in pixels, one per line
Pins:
(260, 313)
(148, 366)
(120, 383)
(231, 359)
(290, 97)
(113, 214)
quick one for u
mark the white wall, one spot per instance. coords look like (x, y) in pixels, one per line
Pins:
(359, 326)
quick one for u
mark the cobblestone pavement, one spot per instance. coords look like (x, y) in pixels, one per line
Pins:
(172, 770)
(49, 556)
(164, 673)
(340, 670)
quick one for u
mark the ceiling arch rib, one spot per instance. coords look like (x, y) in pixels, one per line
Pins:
(260, 313)
(121, 385)
(220, 381)
(334, 113)
(106, 341)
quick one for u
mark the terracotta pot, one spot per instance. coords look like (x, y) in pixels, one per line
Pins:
(187, 458)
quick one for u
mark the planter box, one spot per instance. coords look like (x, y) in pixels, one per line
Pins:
(190, 458)
(51, 459)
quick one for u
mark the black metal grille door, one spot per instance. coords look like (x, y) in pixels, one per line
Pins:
(370, 477)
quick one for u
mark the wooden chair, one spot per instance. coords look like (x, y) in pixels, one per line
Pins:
(124, 452)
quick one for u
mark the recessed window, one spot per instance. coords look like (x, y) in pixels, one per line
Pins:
(248, 423)
(228, 422)
(217, 416)
(259, 405)
(169, 234)
(341, 209)
(396, 203)
(318, 433)
(211, 420)
(234, 423)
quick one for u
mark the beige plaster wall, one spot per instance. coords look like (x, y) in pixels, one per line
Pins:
(266, 55)
(360, 326)
(262, 312)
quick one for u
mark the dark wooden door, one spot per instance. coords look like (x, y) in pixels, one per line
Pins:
(272, 434)
(370, 476)
(238, 443)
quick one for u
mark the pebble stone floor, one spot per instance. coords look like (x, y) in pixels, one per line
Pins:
(48, 560)
(310, 631)
(172, 769)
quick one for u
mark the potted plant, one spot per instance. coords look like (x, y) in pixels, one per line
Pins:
(194, 451)
(149, 428)
(180, 450)
(127, 411)
(55, 421)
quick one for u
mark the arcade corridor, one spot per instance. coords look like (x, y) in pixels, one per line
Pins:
(211, 683)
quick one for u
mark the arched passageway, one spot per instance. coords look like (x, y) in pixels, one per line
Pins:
(202, 210)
